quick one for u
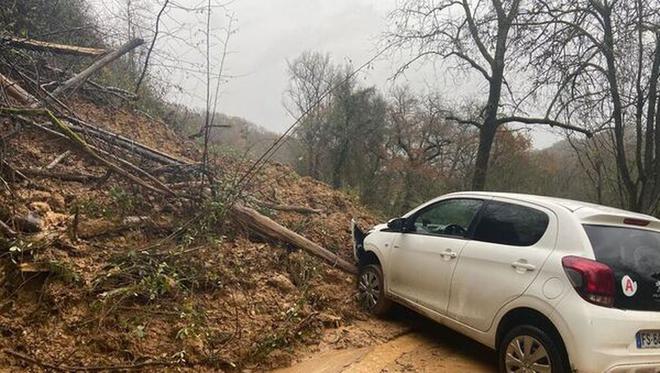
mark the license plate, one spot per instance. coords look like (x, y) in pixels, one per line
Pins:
(648, 339)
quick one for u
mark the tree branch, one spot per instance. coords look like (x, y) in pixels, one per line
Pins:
(475, 33)
(151, 47)
(547, 121)
(464, 121)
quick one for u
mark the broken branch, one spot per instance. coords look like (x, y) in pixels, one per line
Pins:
(57, 160)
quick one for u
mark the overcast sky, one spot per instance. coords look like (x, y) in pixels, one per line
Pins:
(270, 32)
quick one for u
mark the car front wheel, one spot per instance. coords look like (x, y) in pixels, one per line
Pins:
(528, 349)
(371, 292)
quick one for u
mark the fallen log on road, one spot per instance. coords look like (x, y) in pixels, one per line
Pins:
(267, 227)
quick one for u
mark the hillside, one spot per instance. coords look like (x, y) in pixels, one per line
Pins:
(106, 274)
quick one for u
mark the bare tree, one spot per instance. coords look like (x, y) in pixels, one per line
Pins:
(477, 36)
(311, 76)
(604, 56)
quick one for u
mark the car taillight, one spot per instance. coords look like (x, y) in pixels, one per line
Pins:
(594, 281)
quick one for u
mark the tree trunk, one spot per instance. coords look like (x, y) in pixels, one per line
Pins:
(486, 138)
(489, 128)
(55, 48)
(267, 227)
(73, 83)
(338, 167)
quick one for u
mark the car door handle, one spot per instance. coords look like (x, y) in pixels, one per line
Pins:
(448, 254)
(523, 266)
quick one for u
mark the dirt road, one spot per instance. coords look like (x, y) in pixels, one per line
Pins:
(406, 342)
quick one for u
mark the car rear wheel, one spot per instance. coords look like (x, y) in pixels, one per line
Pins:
(528, 349)
(371, 290)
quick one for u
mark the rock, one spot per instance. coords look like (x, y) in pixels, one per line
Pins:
(30, 223)
(281, 282)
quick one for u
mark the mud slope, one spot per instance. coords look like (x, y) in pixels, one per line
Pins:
(106, 282)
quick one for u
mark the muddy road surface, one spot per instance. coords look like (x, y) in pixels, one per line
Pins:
(404, 342)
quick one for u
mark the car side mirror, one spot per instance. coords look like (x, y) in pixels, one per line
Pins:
(396, 224)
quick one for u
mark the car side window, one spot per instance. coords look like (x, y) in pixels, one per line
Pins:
(509, 224)
(449, 218)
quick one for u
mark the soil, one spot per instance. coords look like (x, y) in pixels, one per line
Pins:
(403, 342)
(111, 287)
(104, 283)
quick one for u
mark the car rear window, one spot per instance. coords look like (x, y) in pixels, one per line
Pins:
(631, 247)
(509, 224)
(634, 256)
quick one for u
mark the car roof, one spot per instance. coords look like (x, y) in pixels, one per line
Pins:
(583, 210)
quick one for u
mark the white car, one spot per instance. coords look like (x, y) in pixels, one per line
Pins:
(553, 285)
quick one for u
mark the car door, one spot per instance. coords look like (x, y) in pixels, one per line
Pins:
(424, 255)
(510, 243)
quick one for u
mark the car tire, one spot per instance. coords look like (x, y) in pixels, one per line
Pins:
(528, 340)
(371, 290)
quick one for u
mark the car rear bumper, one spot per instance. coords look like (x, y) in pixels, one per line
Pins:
(604, 339)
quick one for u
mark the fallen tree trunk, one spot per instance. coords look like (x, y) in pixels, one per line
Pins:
(270, 229)
(16, 92)
(27, 99)
(39, 45)
(89, 149)
(75, 82)
(124, 142)
(119, 160)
